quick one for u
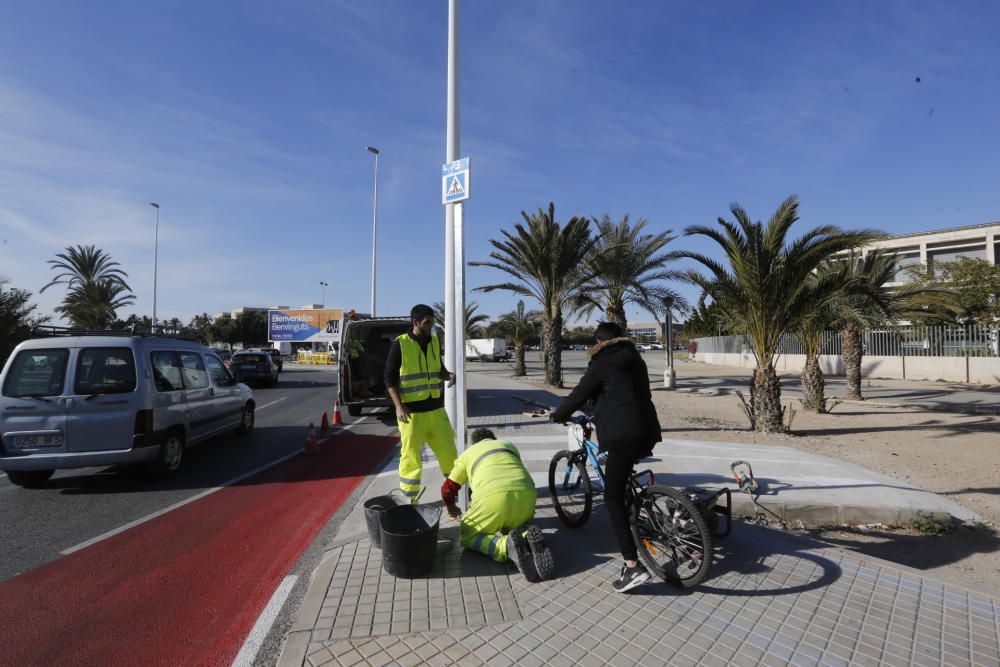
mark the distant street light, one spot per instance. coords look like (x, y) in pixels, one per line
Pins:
(325, 285)
(156, 252)
(374, 151)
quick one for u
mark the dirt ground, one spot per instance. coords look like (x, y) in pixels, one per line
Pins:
(951, 454)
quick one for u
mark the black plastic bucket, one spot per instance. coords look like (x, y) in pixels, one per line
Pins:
(374, 507)
(409, 539)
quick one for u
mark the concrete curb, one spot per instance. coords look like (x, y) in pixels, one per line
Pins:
(989, 410)
(812, 514)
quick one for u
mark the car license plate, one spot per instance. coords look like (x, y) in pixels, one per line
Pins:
(36, 441)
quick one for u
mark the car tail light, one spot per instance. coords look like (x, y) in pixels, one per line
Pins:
(143, 422)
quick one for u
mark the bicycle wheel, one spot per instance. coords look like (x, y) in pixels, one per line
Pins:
(672, 537)
(569, 485)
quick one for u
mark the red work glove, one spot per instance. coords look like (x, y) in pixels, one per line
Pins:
(449, 493)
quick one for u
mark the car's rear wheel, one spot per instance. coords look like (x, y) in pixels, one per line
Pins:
(29, 479)
(354, 410)
(169, 456)
(246, 420)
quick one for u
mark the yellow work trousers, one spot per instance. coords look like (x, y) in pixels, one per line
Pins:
(485, 526)
(434, 429)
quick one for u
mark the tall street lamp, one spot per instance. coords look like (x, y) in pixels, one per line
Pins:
(325, 285)
(374, 151)
(156, 253)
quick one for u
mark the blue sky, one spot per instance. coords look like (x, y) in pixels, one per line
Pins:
(247, 122)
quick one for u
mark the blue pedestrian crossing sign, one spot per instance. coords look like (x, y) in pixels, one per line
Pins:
(455, 181)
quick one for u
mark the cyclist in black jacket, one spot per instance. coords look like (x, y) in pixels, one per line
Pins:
(617, 382)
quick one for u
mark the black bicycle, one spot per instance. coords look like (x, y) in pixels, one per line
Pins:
(670, 532)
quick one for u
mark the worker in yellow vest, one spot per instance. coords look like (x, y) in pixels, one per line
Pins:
(503, 506)
(414, 378)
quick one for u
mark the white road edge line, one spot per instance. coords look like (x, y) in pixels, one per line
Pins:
(258, 633)
(267, 405)
(170, 508)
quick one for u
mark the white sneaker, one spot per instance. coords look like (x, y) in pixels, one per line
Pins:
(630, 577)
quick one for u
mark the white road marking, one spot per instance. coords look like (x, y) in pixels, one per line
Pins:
(258, 633)
(267, 405)
(165, 510)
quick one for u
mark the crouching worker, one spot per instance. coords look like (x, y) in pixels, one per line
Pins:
(503, 504)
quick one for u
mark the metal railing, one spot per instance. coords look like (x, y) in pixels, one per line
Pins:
(971, 340)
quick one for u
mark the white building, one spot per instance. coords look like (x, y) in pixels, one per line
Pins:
(236, 312)
(943, 245)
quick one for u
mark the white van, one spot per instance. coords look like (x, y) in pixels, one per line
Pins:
(364, 347)
(73, 401)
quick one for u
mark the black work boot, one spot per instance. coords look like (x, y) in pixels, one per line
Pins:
(519, 553)
(540, 553)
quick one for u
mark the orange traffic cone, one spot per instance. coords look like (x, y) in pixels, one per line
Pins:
(337, 419)
(312, 444)
(324, 426)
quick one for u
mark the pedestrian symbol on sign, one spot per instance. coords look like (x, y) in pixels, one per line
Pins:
(455, 181)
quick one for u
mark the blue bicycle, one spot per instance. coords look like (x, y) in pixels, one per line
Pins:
(670, 532)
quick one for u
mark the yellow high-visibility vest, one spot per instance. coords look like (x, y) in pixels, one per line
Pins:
(419, 374)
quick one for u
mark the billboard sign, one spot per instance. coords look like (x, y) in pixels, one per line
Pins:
(304, 326)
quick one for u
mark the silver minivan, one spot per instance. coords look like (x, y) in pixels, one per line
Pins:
(73, 401)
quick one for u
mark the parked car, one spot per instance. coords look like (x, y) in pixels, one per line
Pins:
(225, 355)
(655, 346)
(255, 366)
(70, 400)
(276, 358)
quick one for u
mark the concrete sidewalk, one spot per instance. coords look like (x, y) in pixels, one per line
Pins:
(920, 394)
(772, 597)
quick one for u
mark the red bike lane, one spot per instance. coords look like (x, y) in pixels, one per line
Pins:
(184, 588)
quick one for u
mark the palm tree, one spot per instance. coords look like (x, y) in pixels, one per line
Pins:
(518, 325)
(629, 268)
(95, 285)
(17, 318)
(767, 288)
(93, 305)
(202, 326)
(474, 327)
(81, 265)
(546, 261)
(872, 303)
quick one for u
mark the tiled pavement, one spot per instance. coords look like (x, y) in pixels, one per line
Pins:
(772, 598)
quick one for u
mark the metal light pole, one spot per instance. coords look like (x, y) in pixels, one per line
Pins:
(454, 273)
(373, 150)
(669, 376)
(451, 154)
(324, 285)
(156, 253)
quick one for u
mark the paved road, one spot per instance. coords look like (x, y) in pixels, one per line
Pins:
(180, 570)
(79, 505)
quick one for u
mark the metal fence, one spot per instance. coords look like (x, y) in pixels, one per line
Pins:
(966, 341)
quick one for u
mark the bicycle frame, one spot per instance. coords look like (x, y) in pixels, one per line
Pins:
(593, 456)
(592, 452)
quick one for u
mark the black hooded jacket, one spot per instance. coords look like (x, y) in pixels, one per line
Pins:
(617, 381)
